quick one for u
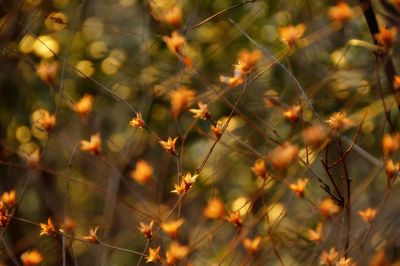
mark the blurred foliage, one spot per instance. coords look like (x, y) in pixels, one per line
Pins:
(56, 53)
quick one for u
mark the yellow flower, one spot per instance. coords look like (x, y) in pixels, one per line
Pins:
(31, 258)
(93, 146)
(290, 34)
(48, 229)
(92, 237)
(298, 188)
(169, 145)
(137, 121)
(147, 229)
(143, 172)
(171, 228)
(202, 112)
(368, 215)
(153, 255)
(215, 209)
(85, 105)
(252, 245)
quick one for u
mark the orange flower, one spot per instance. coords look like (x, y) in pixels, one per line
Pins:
(69, 225)
(315, 135)
(137, 121)
(85, 105)
(259, 168)
(392, 170)
(180, 189)
(93, 146)
(315, 235)
(234, 218)
(48, 229)
(202, 112)
(390, 144)
(231, 81)
(379, 259)
(290, 34)
(396, 3)
(92, 237)
(176, 252)
(153, 255)
(340, 13)
(169, 145)
(396, 82)
(147, 229)
(186, 184)
(173, 16)
(175, 43)
(299, 188)
(217, 129)
(47, 121)
(180, 99)
(4, 216)
(386, 36)
(282, 156)
(343, 261)
(252, 245)
(328, 258)
(247, 61)
(32, 159)
(338, 121)
(328, 207)
(368, 215)
(215, 209)
(47, 71)
(143, 172)
(31, 258)
(8, 198)
(292, 114)
(171, 228)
